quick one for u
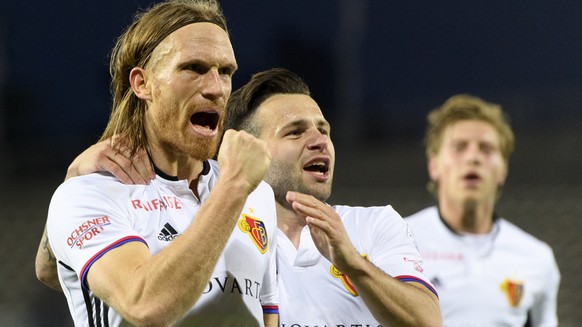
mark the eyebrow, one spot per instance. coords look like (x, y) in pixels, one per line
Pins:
(324, 123)
(206, 64)
(303, 122)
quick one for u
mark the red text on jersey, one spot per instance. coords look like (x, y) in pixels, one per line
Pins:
(165, 202)
(87, 231)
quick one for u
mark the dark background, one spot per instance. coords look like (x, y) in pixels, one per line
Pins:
(375, 67)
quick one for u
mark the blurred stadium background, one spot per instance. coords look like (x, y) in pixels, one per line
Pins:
(375, 67)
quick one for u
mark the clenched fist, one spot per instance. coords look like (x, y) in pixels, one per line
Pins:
(243, 159)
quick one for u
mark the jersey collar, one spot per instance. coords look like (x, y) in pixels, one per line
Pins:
(159, 172)
(493, 224)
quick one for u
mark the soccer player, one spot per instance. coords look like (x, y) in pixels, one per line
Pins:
(488, 272)
(193, 247)
(338, 265)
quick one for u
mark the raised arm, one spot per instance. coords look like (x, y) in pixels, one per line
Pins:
(159, 289)
(392, 302)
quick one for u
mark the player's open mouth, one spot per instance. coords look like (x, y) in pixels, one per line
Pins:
(205, 120)
(318, 166)
(472, 176)
(472, 179)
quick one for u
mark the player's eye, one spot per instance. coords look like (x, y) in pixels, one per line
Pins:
(226, 71)
(459, 146)
(197, 68)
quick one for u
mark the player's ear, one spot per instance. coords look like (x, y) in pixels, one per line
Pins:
(433, 168)
(138, 81)
(502, 175)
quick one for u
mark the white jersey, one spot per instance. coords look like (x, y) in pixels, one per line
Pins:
(90, 215)
(490, 280)
(314, 293)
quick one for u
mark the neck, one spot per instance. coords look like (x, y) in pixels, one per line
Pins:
(181, 167)
(290, 223)
(467, 216)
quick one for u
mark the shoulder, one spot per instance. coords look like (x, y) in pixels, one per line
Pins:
(91, 179)
(425, 224)
(422, 217)
(518, 243)
(423, 214)
(90, 183)
(373, 212)
(96, 190)
(368, 217)
(513, 234)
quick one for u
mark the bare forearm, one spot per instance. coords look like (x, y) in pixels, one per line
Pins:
(159, 289)
(392, 302)
(271, 320)
(168, 284)
(46, 264)
(395, 303)
(193, 256)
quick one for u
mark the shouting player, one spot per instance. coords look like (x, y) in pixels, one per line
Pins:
(192, 247)
(338, 265)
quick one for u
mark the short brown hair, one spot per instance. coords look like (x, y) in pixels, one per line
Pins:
(134, 48)
(243, 102)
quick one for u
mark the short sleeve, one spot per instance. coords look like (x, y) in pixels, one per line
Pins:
(84, 222)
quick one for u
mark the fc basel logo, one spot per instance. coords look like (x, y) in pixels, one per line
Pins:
(513, 291)
(345, 280)
(256, 230)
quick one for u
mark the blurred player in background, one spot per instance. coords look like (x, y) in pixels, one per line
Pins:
(487, 271)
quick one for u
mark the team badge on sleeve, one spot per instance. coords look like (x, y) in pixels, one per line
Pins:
(345, 280)
(255, 228)
(513, 291)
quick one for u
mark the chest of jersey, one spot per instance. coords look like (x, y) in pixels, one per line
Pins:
(472, 283)
(159, 214)
(325, 295)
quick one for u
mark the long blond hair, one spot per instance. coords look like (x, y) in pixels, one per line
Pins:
(134, 48)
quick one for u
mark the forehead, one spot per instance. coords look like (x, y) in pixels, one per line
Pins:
(197, 41)
(465, 130)
(281, 110)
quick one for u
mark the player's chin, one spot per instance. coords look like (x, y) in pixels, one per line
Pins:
(204, 148)
(321, 192)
